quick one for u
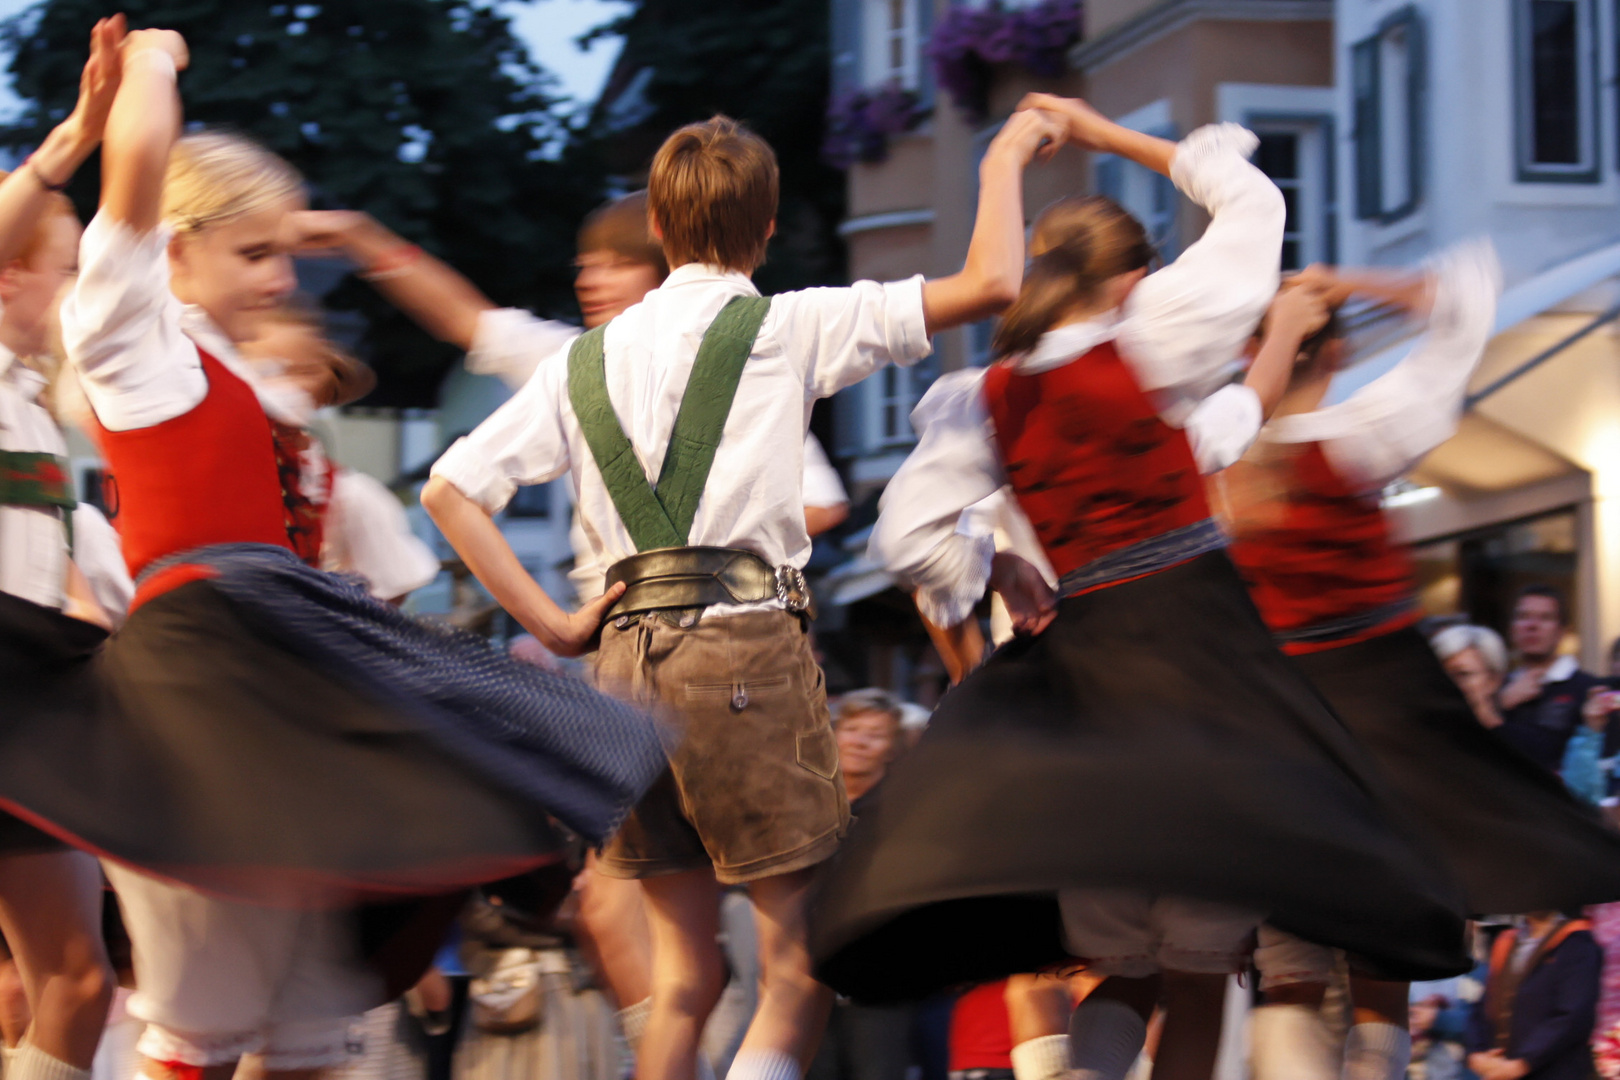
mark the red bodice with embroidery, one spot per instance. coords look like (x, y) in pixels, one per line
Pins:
(1311, 548)
(218, 474)
(1093, 466)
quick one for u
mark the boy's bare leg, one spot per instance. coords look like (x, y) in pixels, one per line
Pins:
(793, 1006)
(688, 974)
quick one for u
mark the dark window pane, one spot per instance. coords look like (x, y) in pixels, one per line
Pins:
(530, 501)
(1290, 195)
(1278, 156)
(1290, 255)
(1554, 83)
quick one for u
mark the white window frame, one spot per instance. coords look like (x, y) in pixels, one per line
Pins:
(1151, 198)
(1589, 168)
(879, 38)
(1310, 113)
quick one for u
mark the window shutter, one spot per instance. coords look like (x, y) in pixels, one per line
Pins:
(1110, 174)
(846, 46)
(849, 416)
(1417, 53)
(1367, 136)
(925, 67)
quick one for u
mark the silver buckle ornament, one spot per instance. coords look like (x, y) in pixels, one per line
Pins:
(792, 589)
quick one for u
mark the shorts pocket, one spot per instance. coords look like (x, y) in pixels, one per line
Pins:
(818, 752)
(740, 693)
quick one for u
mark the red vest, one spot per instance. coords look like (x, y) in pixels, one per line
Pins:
(1093, 466)
(1313, 550)
(214, 475)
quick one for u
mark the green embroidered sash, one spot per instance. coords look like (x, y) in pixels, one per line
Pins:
(661, 517)
(40, 481)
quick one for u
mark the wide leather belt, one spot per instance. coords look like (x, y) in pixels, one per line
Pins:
(696, 577)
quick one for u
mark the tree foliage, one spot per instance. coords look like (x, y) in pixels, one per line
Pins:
(767, 63)
(428, 114)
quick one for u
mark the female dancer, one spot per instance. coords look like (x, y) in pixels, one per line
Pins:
(1311, 540)
(260, 729)
(1146, 778)
(50, 895)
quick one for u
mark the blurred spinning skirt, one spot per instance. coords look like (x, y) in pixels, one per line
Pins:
(1508, 829)
(270, 733)
(1152, 739)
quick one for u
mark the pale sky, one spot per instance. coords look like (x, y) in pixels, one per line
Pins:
(549, 26)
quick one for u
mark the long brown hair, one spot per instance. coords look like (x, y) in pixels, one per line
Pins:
(1078, 243)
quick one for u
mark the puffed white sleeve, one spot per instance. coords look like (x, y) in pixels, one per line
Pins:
(121, 329)
(1185, 326)
(510, 344)
(822, 485)
(523, 442)
(1383, 430)
(842, 335)
(100, 558)
(375, 537)
(1223, 426)
(924, 534)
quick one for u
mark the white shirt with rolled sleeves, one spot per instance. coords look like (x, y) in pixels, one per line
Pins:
(367, 533)
(812, 344)
(1382, 431)
(1182, 332)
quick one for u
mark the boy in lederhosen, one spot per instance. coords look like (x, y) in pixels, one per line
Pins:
(682, 422)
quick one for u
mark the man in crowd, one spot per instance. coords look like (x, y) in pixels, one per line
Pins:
(1542, 701)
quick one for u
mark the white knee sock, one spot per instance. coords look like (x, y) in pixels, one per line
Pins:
(633, 1021)
(1377, 1051)
(32, 1063)
(1045, 1058)
(1290, 1042)
(763, 1065)
(1105, 1036)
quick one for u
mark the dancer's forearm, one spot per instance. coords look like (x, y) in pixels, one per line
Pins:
(142, 128)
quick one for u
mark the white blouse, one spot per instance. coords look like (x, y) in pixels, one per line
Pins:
(1181, 331)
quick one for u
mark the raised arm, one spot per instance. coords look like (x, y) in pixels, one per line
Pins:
(994, 269)
(1386, 427)
(1224, 425)
(48, 169)
(437, 297)
(142, 127)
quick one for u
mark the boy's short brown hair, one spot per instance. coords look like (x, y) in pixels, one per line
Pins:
(620, 226)
(713, 191)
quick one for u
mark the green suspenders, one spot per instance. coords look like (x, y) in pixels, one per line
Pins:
(37, 480)
(661, 517)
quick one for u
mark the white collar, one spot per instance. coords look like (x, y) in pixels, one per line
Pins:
(1065, 344)
(694, 273)
(1562, 668)
(285, 404)
(23, 379)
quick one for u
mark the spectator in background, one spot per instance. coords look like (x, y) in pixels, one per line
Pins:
(1540, 1003)
(1542, 701)
(1476, 660)
(865, 1042)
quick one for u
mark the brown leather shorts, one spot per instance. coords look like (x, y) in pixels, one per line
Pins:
(753, 787)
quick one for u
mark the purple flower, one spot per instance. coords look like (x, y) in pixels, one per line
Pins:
(860, 123)
(966, 41)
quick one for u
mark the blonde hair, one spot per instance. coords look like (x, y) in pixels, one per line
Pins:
(1078, 244)
(713, 190)
(216, 176)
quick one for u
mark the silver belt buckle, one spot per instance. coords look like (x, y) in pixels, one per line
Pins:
(792, 589)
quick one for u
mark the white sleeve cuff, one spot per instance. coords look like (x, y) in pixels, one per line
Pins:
(1203, 156)
(954, 578)
(1223, 427)
(511, 343)
(463, 468)
(908, 329)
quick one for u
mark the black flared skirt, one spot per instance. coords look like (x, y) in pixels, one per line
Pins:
(1153, 738)
(274, 736)
(1508, 829)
